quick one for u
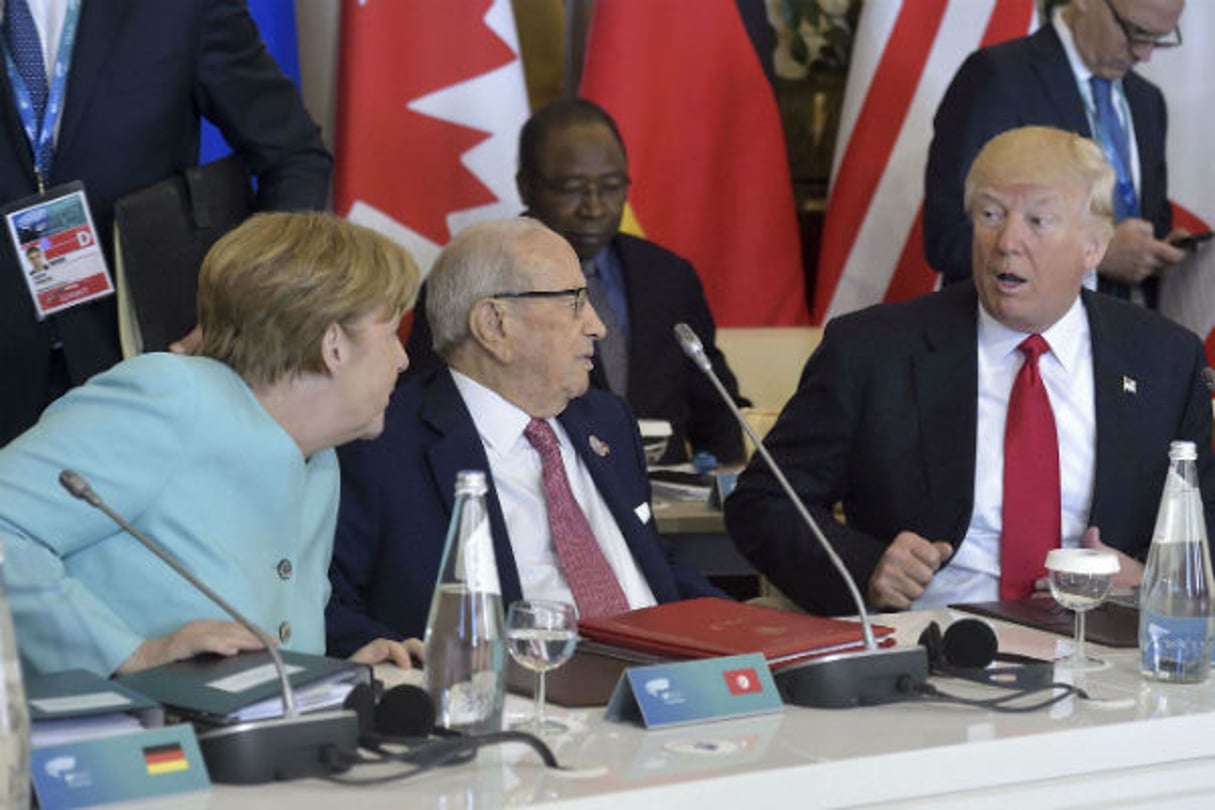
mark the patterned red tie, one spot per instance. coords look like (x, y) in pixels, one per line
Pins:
(1031, 478)
(591, 579)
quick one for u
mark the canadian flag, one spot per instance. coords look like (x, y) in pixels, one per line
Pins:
(430, 101)
(1188, 292)
(905, 54)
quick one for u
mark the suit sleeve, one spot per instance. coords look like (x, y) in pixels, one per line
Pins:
(239, 86)
(974, 109)
(711, 423)
(812, 441)
(356, 555)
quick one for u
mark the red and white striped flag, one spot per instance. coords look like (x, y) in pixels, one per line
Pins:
(431, 97)
(905, 54)
(1184, 74)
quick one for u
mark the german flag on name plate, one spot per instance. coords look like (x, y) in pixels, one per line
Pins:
(167, 758)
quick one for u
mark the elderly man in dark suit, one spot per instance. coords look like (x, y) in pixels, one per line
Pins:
(140, 75)
(574, 177)
(968, 431)
(511, 318)
(1057, 77)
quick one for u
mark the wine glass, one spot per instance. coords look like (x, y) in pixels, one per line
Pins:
(1080, 579)
(540, 636)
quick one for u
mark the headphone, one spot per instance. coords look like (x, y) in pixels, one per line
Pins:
(967, 649)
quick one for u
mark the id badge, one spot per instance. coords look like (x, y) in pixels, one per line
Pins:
(57, 249)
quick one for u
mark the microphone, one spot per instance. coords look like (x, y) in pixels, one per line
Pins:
(874, 675)
(288, 747)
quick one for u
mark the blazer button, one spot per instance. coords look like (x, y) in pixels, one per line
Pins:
(284, 568)
(284, 632)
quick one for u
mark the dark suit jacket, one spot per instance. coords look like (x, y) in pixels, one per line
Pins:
(142, 72)
(1025, 81)
(663, 290)
(884, 420)
(397, 496)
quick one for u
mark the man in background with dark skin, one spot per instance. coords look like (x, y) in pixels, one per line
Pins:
(574, 177)
(1048, 79)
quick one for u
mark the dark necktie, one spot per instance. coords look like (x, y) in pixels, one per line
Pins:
(26, 49)
(1031, 513)
(1113, 139)
(590, 577)
(613, 348)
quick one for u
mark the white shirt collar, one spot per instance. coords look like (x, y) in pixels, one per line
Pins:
(499, 422)
(1068, 337)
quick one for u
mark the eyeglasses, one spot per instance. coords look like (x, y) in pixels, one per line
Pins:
(611, 188)
(1138, 36)
(577, 296)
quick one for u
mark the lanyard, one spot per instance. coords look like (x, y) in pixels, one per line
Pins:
(41, 140)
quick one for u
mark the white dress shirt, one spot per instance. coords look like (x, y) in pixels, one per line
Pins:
(973, 574)
(516, 470)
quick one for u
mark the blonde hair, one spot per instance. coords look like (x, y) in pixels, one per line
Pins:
(1050, 157)
(269, 290)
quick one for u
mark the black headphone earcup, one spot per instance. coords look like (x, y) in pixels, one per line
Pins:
(969, 644)
(930, 640)
(405, 711)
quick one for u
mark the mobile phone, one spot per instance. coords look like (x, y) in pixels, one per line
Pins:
(1192, 241)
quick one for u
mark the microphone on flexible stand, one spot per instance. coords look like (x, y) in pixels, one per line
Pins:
(287, 747)
(873, 675)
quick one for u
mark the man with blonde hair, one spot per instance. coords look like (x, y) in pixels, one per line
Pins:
(569, 502)
(225, 458)
(969, 431)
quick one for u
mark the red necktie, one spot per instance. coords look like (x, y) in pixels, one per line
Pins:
(1031, 478)
(591, 579)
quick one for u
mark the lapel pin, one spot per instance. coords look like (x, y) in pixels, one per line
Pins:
(1129, 386)
(599, 447)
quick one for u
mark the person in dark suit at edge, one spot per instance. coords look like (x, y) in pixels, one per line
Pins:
(140, 75)
(511, 319)
(1053, 78)
(905, 413)
(573, 176)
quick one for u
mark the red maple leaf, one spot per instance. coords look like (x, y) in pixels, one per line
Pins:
(404, 163)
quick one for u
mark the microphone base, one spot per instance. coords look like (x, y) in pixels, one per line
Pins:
(283, 748)
(863, 678)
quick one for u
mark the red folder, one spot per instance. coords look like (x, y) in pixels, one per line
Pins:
(709, 627)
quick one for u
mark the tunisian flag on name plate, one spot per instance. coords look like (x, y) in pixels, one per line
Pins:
(430, 101)
(905, 54)
(706, 150)
(1184, 75)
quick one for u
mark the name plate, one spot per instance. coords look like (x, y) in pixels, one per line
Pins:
(686, 692)
(137, 765)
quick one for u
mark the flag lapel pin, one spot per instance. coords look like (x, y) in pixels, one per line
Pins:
(599, 447)
(1129, 385)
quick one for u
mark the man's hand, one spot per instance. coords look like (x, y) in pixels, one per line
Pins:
(905, 570)
(188, 344)
(1134, 254)
(202, 636)
(1130, 574)
(401, 653)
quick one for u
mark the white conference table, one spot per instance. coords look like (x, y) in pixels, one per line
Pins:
(1141, 745)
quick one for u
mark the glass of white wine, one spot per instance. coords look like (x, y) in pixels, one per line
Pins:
(1080, 580)
(541, 635)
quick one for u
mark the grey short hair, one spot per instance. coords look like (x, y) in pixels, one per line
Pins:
(480, 261)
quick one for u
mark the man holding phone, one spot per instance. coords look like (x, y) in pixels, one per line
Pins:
(1075, 73)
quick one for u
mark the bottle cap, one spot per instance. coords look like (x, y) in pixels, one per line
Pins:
(1182, 451)
(471, 482)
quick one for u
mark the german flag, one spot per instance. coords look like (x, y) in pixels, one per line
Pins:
(167, 758)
